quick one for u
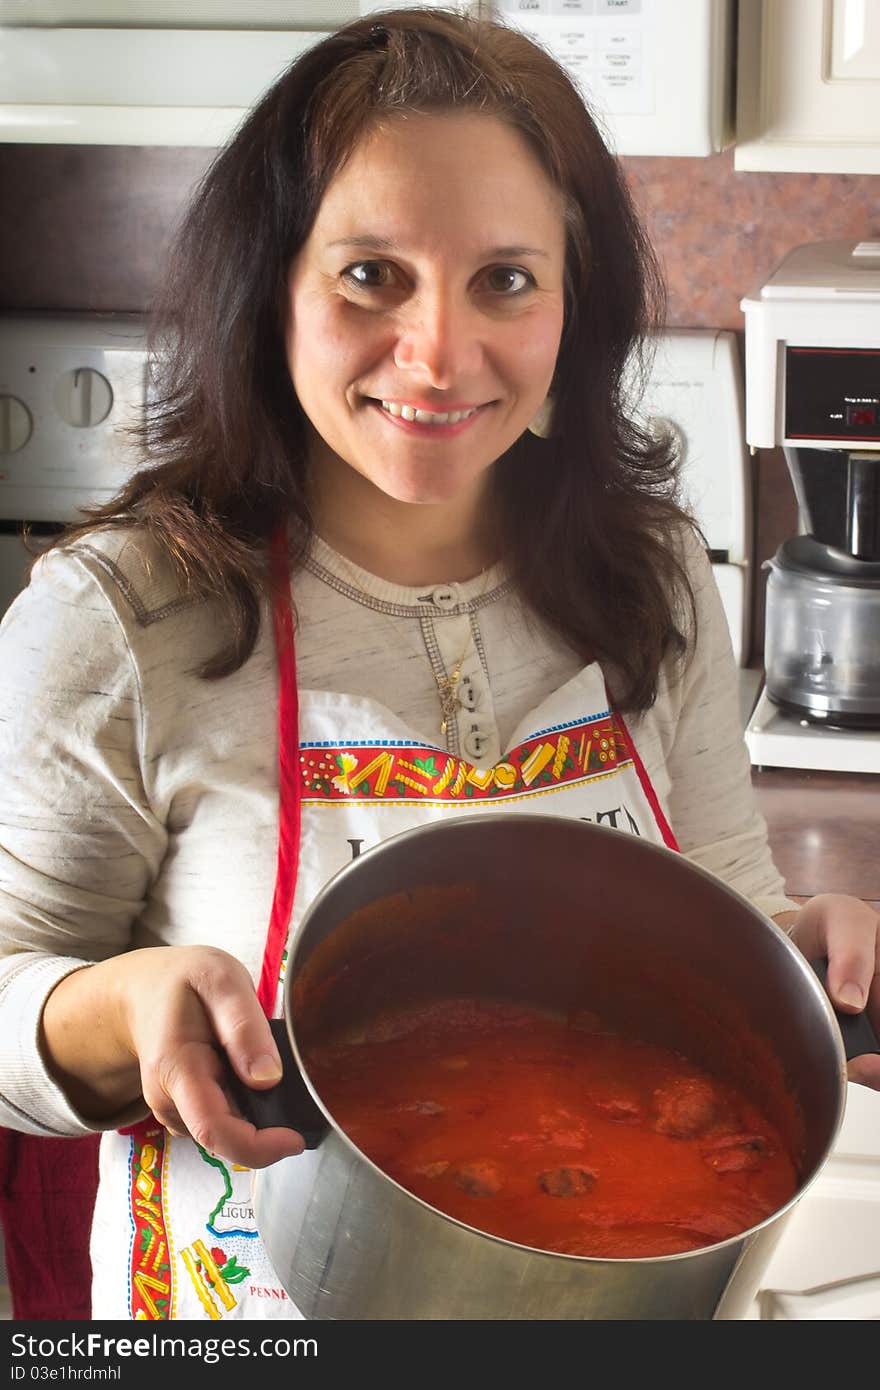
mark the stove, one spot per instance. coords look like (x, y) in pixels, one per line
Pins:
(70, 387)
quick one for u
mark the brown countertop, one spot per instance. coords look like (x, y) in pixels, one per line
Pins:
(824, 830)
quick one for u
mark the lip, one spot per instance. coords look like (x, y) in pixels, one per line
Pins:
(431, 431)
(434, 407)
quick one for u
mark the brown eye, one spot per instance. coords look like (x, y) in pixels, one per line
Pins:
(508, 280)
(368, 275)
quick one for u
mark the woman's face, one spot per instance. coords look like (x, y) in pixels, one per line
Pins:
(431, 281)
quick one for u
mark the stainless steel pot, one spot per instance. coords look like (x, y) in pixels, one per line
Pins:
(561, 913)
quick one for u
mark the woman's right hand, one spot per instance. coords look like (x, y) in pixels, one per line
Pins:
(156, 1022)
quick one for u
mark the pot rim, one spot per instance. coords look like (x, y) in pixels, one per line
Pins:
(808, 978)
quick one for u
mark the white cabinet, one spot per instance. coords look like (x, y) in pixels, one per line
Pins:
(808, 89)
(659, 73)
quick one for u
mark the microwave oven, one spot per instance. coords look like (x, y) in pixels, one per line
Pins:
(658, 74)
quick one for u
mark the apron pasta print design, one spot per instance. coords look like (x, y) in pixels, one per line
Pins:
(553, 759)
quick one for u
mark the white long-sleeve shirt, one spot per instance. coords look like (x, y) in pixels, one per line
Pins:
(138, 802)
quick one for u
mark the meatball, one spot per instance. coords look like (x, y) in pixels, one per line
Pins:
(567, 1182)
(686, 1108)
(478, 1179)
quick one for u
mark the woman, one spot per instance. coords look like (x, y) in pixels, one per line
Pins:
(399, 316)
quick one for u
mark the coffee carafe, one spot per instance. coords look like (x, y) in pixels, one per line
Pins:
(813, 368)
(822, 623)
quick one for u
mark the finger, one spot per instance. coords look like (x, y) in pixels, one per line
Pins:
(850, 974)
(256, 1148)
(847, 929)
(163, 1107)
(167, 1116)
(204, 1107)
(238, 1023)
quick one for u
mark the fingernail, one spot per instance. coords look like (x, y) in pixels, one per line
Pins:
(851, 994)
(265, 1068)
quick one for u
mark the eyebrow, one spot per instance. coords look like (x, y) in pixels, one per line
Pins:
(383, 244)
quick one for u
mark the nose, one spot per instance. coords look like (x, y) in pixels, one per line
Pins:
(440, 340)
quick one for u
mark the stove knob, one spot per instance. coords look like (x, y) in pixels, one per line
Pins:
(83, 397)
(16, 425)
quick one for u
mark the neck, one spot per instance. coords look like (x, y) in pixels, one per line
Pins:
(407, 543)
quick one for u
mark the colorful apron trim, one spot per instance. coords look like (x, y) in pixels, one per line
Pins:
(150, 1270)
(388, 772)
(213, 1271)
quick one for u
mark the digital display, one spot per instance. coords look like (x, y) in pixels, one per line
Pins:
(832, 394)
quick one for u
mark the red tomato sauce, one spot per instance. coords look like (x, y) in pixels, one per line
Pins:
(554, 1134)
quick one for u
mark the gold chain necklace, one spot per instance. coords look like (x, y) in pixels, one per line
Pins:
(447, 689)
(447, 686)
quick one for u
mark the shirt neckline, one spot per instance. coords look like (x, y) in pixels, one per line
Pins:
(374, 591)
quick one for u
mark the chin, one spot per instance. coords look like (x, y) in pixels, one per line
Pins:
(419, 493)
(423, 497)
(431, 490)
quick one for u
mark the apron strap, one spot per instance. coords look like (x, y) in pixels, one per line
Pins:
(647, 785)
(288, 776)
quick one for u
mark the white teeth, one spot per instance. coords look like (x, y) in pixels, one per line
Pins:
(427, 417)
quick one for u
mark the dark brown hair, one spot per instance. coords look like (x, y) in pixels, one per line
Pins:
(587, 517)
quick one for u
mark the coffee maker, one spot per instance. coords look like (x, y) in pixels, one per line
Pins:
(813, 387)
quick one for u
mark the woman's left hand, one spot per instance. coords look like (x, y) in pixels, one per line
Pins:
(847, 931)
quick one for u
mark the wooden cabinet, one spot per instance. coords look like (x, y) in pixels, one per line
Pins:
(808, 86)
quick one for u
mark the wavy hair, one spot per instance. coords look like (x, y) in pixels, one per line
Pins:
(223, 437)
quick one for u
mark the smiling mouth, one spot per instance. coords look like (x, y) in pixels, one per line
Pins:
(412, 414)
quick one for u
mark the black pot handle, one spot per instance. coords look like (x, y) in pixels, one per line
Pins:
(290, 1104)
(855, 1029)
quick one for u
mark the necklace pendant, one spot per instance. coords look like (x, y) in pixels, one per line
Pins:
(447, 689)
(448, 692)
